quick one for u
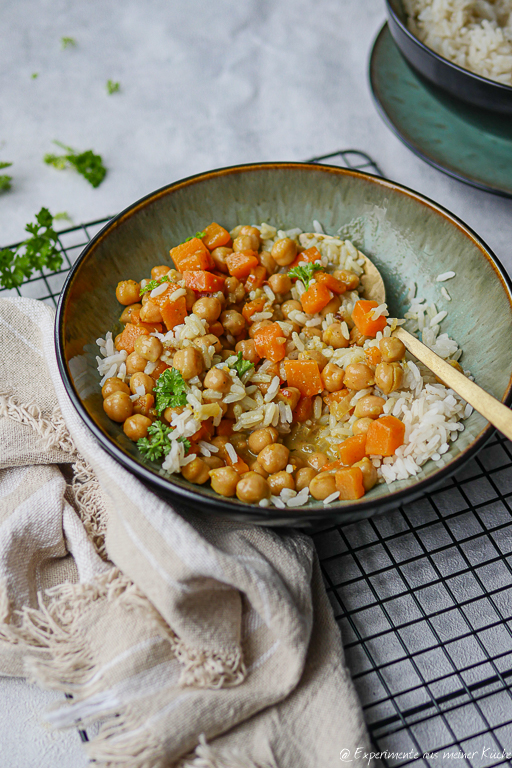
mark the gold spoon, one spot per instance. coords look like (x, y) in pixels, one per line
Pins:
(498, 414)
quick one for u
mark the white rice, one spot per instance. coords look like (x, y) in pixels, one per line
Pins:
(231, 453)
(474, 34)
(445, 276)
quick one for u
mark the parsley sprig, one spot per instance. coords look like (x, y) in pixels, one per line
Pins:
(241, 366)
(170, 390)
(158, 444)
(5, 180)
(154, 284)
(197, 234)
(67, 42)
(36, 252)
(89, 165)
(113, 87)
(304, 272)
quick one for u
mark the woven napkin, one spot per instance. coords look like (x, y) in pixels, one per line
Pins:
(190, 641)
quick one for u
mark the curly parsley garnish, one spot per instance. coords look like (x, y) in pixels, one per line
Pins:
(157, 444)
(86, 163)
(197, 234)
(170, 390)
(5, 180)
(113, 87)
(154, 284)
(241, 366)
(67, 42)
(304, 272)
(35, 252)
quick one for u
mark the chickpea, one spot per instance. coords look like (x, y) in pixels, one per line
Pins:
(218, 380)
(213, 462)
(127, 313)
(135, 363)
(310, 332)
(248, 350)
(369, 406)
(268, 262)
(261, 438)
(141, 380)
(136, 426)
(209, 340)
(172, 411)
(290, 306)
(219, 257)
(128, 292)
(360, 427)
(235, 290)
(316, 355)
(150, 313)
(232, 321)
(196, 472)
(224, 480)
(144, 405)
(190, 299)
(256, 467)
(255, 327)
(246, 243)
(391, 349)
(114, 385)
(252, 488)
(208, 309)
(333, 335)
(189, 362)
(220, 441)
(280, 480)
(322, 485)
(358, 376)
(389, 376)
(274, 457)
(118, 406)
(290, 396)
(369, 473)
(280, 283)
(304, 477)
(284, 251)
(238, 441)
(217, 329)
(158, 272)
(149, 347)
(251, 232)
(332, 377)
(296, 460)
(317, 460)
(349, 279)
(356, 337)
(332, 307)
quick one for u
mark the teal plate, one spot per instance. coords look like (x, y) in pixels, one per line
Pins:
(472, 145)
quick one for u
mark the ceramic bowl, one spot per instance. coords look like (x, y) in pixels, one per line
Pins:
(460, 83)
(409, 238)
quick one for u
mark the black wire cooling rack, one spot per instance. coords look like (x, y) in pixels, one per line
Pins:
(423, 594)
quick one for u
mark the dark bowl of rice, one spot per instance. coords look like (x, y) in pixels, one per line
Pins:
(415, 32)
(435, 268)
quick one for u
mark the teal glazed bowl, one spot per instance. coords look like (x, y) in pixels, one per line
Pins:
(407, 236)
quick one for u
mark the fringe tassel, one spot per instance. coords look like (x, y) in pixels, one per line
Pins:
(53, 432)
(206, 756)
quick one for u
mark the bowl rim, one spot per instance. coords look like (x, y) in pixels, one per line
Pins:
(228, 505)
(442, 59)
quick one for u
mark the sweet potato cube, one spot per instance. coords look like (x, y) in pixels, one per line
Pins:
(174, 312)
(303, 410)
(270, 343)
(362, 317)
(257, 277)
(195, 245)
(215, 236)
(339, 403)
(126, 340)
(352, 450)
(305, 376)
(310, 255)
(349, 482)
(315, 298)
(241, 263)
(198, 260)
(201, 281)
(384, 436)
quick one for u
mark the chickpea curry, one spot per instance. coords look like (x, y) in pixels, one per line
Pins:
(252, 361)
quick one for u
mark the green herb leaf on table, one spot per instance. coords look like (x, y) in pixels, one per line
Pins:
(36, 252)
(199, 235)
(154, 284)
(241, 366)
(86, 163)
(304, 272)
(5, 180)
(170, 390)
(34, 75)
(63, 216)
(67, 42)
(113, 87)
(157, 444)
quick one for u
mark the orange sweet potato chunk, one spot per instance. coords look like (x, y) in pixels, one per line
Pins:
(241, 263)
(349, 482)
(257, 277)
(352, 450)
(315, 298)
(182, 251)
(303, 410)
(305, 376)
(201, 281)
(215, 236)
(332, 283)
(174, 312)
(362, 317)
(270, 343)
(126, 340)
(198, 260)
(310, 255)
(384, 436)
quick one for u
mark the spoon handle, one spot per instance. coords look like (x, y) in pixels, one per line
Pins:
(499, 415)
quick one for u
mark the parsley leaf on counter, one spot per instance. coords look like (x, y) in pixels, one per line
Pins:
(304, 272)
(87, 163)
(5, 180)
(241, 366)
(34, 75)
(113, 87)
(35, 252)
(197, 234)
(157, 445)
(67, 42)
(63, 216)
(154, 284)
(170, 390)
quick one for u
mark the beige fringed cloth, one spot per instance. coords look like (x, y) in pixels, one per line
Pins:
(191, 642)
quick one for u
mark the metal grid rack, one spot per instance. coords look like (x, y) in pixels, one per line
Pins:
(423, 595)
